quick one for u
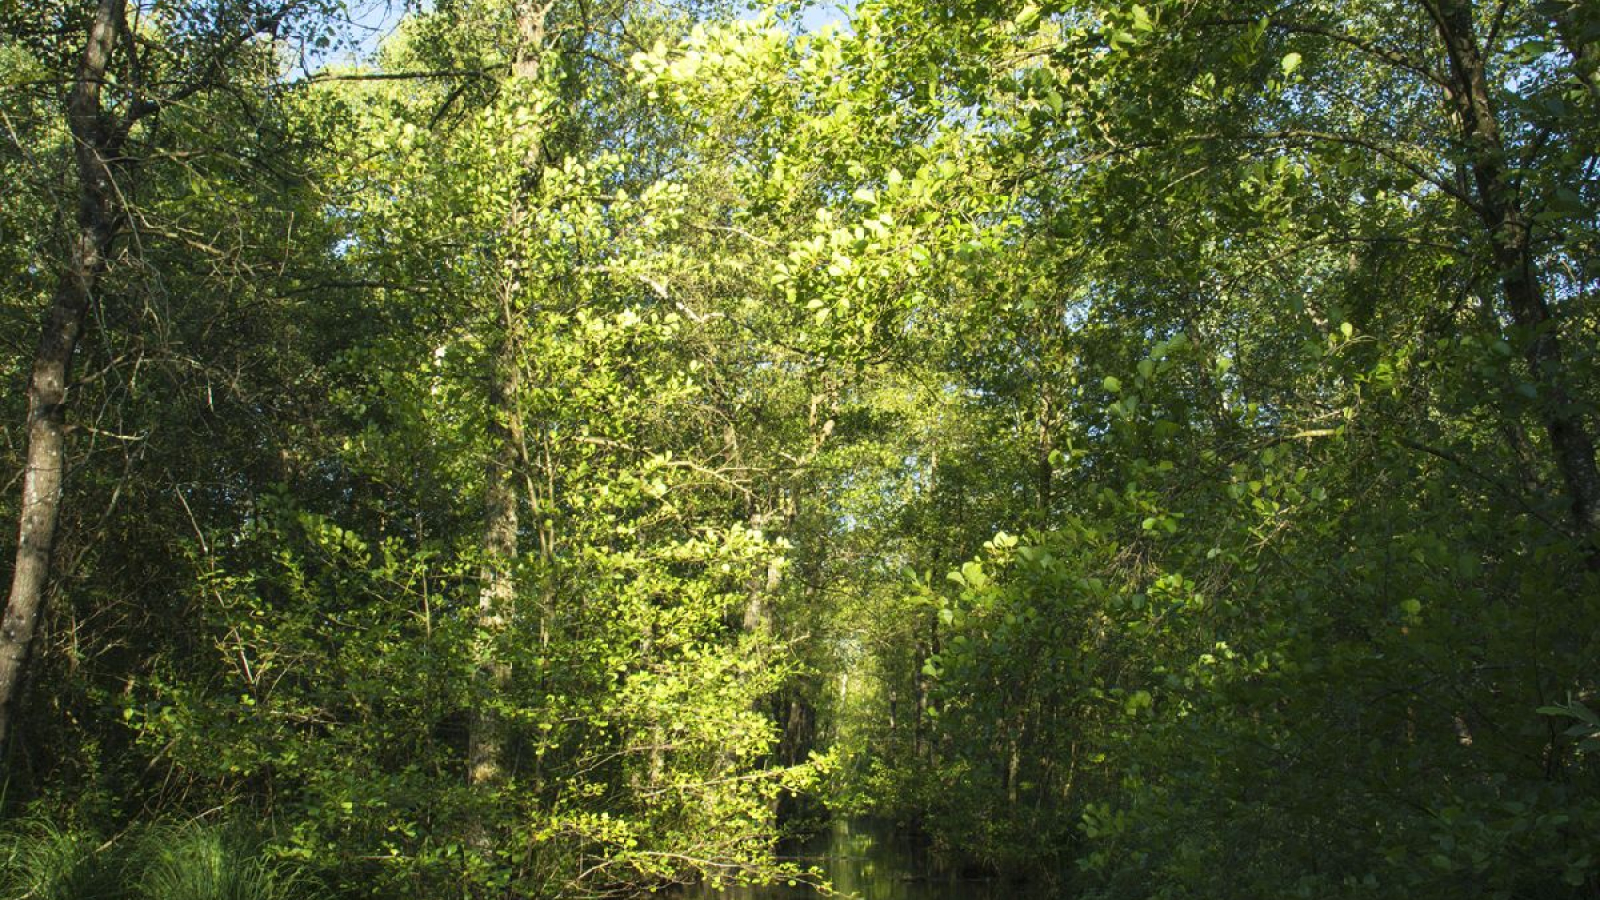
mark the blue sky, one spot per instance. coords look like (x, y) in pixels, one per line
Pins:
(372, 20)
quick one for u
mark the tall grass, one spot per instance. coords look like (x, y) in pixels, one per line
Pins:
(192, 861)
(41, 861)
(186, 861)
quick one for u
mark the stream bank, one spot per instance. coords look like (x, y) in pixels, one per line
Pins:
(870, 860)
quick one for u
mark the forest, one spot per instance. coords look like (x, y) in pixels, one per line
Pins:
(506, 449)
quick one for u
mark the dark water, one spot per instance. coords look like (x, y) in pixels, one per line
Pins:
(870, 861)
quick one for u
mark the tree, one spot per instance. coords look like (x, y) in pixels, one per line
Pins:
(148, 82)
(1145, 446)
(1249, 249)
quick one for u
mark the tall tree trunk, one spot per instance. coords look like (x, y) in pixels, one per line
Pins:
(1045, 470)
(94, 141)
(1510, 241)
(497, 596)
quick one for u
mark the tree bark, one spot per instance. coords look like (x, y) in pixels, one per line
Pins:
(498, 593)
(1510, 242)
(1044, 469)
(94, 141)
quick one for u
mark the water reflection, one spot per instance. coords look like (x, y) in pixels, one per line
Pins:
(871, 861)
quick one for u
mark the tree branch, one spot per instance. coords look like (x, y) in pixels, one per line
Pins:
(1391, 56)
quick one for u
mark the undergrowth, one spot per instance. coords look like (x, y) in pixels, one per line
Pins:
(192, 860)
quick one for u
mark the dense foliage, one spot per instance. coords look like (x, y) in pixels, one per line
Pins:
(1147, 448)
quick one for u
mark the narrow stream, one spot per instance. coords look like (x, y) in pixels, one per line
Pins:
(871, 861)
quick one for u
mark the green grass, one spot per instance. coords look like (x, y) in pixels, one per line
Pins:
(192, 861)
(41, 861)
(186, 861)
